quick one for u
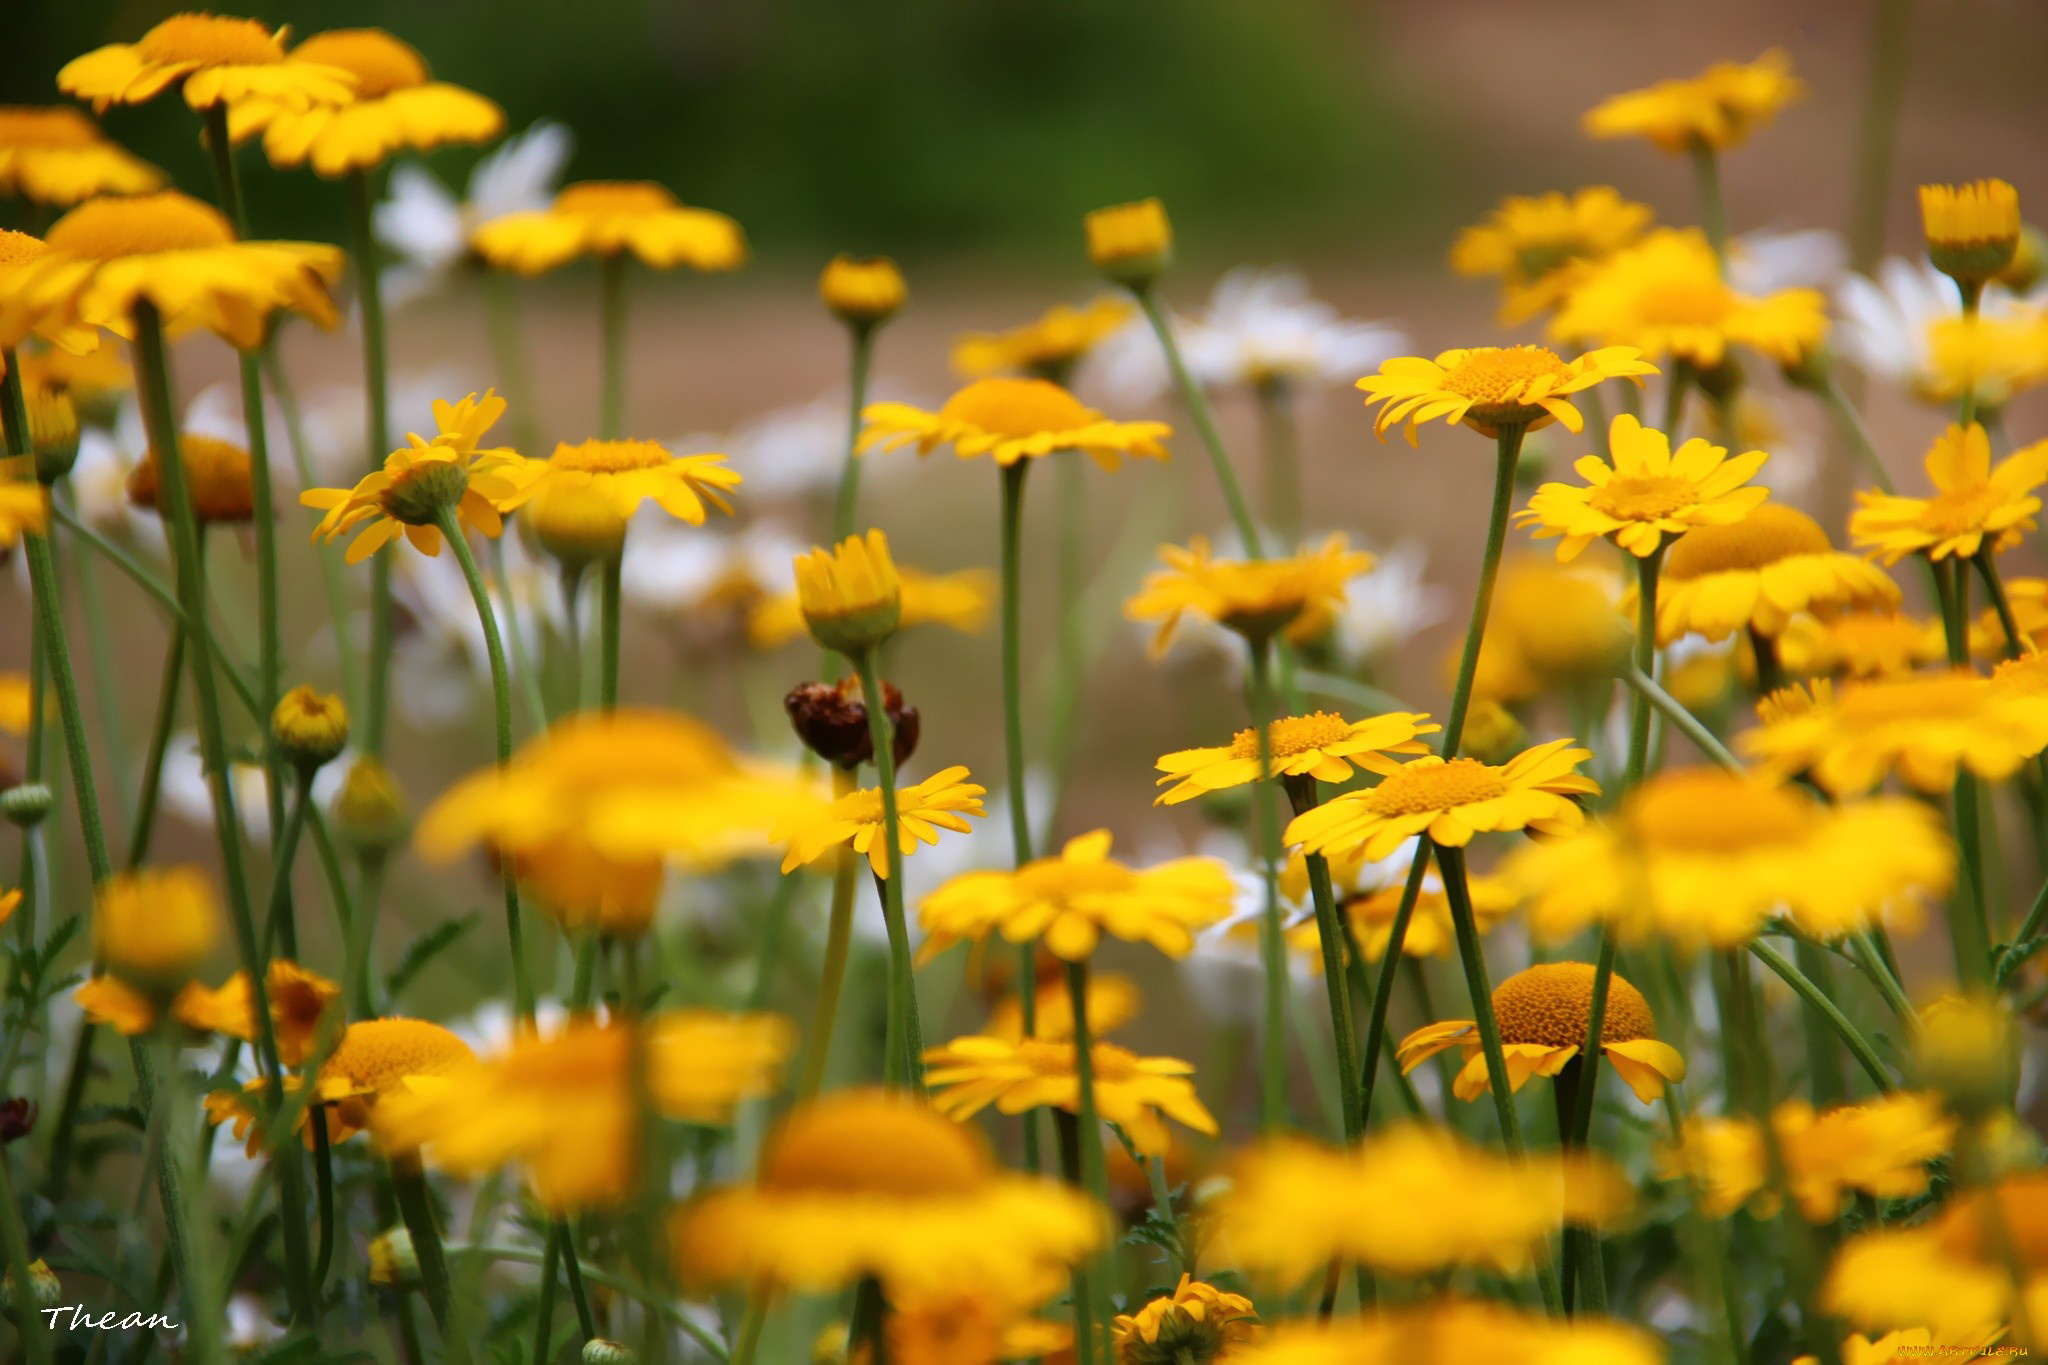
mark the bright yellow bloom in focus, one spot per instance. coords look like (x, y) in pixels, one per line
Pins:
(1972, 230)
(24, 505)
(1880, 1148)
(1648, 496)
(1196, 1322)
(862, 292)
(107, 257)
(1757, 574)
(1543, 1012)
(1975, 505)
(1455, 1332)
(216, 59)
(969, 1074)
(1540, 247)
(298, 999)
(1870, 644)
(1074, 897)
(627, 473)
(851, 595)
(959, 601)
(1046, 348)
(57, 155)
(1716, 109)
(1409, 1201)
(1321, 746)
(451, 473)
(871, 1182)
(1665, 297)
(944, 800)
(1701, 856)
(1130, 243)
(154, 925)
(1491, 387)
(1923, 727)
(564, 1106)
(610, 218)
(1450, 801)
(1297, 594)
(397, 108)
(1009, 420)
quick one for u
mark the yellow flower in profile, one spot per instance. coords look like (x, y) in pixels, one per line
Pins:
(1113, 1001)
(1074, 897)
(1430, 930)
(1972, 230)
(944, 800)
(1539, 247)
(1298, 594)
(1716, 109)
(871, 1182)
(959, 601)
(1322, 746)
(451, 472)
(1874, 643)
(1197, 1322)
(1491, 387)
(17, 703)
(56, 155)
(564, 1106)
(152, 926)
(1410, 1201)
(1923, 727)
(1008, 420)
(375, 1063)
(862, 291)
(1758, 573)
(24, 505)
(1046, 348)
(851, 595)
(220, 481)
(214, 59)
(1976, 505)
(1649, 496)
(1994, 358)
(1543, 1012)
(1880, 1148)
(1130, 243)
(298, 999)
(1455, 1332)
(107, 999)
(1967, 1048)
(1704, 856)
(398, 107)
(1665, 297)
(991, 1323)
(108, 256)
(1450, 801)
(626, 474)
(610, 218)
(969, 1074)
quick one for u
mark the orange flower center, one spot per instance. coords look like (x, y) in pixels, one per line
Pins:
(1643, 497)
(1420, 787)
(27, 126)
(1293, 736)
(609, 457)
(600, 198)
(1497, 377)
(1707, 811)
(107, 229)
(18, 248)
(1770, 533)
(379, 62)
(1016, 407)
(375, 1056)
(873, 1143)
(210, 40)
(1549, 1004)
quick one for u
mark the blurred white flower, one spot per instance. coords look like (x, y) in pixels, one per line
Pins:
(440, 661)
(1884, 322)
(250, 1325)
(1388, 605)
(490, 1027)
(674, 569)
(1224, 971)
(99, 481)
(1771, 259)
(187, 795)
(429, 227)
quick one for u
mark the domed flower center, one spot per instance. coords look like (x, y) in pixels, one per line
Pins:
(873, 1144)
(18, 248)
(211, 40)
(604, 197)
(1708, 811)
(609, 457)
(2027, 676)
(1293, 736)
(1549, 1004)
(1860, 634)
(1963, 509)
(1420, 787)
(1017, 407)
(108, 229)
(1770, 533)
(1643, 497)
(1954, 696)
(379, 62)
(1684, 301)
(1497, 377)
(23, 126)
(376, 1055)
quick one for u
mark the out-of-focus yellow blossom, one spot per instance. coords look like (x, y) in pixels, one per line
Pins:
(1453, 1332)
(1758, 573)
(1906, 1345)
(375, 1062)
(220, 481)
(960, 601)
(1491, 387)
(1993, 358)
(298, 999)
(944, 800)
(862, 291)
(212, 58)
(1011, 419)
(1923, 727)
(56, 155)
(1430, 930)
(1046, 348)
(1880, 1148)
(1321, 746)
(1197, 1322)
(1665, 297)
(1717, 109)
(1539, 247)
(1130, 243)
(24, 503)
(154, 925)
(1976, 505)
(1550, 627)
(1450, 801)
(1972, 230)
(969, 1074)
(1297, 594)
(1113, 1001)
(611, 218)
(1871, 644)
(627, 473)
(1967, 1048)
(1950, 1275)
(1650, 494)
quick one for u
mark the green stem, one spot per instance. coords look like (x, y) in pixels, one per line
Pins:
(1383, 989)
(323, 1186)
(659, 1305)
(269, 647)
(1507, 452)
(281, 922)
(1280, 458)
(1818, 1001)
(1849, 424)
(1336, 945)
(544, 1316)
(159, 743)
(362, 244)
(1877, 129)
(32, 1328)
(774, 925)
(333, 585)
(1969, 916)
(846, 504)
(515, 637)
(1682, 720)
(902, 980)
(416, 1207)
(610, 614)
(1088, 1122)
(1272, 932)
(1706, 174)
(508, 357)
(1678, 380)
(832, 975)
(1204, 418)
(1994, 588)
(99, 652)
(1012, 627)
(611, 417)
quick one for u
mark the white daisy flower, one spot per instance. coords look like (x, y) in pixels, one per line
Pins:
(1884, 323)
(673, 569)
(429, 227)
(1771, 259)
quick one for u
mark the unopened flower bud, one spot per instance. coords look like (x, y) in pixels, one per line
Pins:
(862, 292)
(26, 804)
(311, 728)
(1131, 243)
(1966, 1051)
(1973, 230)
(851, 596)
(369, 810)
(832, 721)
(600, 1351)
(393, 1263)
(2028, 260)
(44, 1288)
(576, 525)
(52, 430)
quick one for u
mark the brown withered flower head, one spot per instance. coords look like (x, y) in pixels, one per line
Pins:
(832, 721)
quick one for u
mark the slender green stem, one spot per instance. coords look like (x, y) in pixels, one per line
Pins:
(159, 742)
(508, 356)
(1820, 1003)
(611, 417)
(1678, 379)
(362, 245)
(323, 1188)
(416, 1207)
(544, 1315)
(515, 636)
(270, 646)
(845, 506)
(573, 1272)
(99, 653)
(1682, 720)
(1012, 627)
(660, 1305)
(610, 613)
(902, 979)
(1969, 916)
(1706, 174)
(1094, 1175)
(1877, 130)
(1507, 452)
(1849, 423)
(31, 1327)
(1280, 458)
(1383, 989)
(1337, 949)
(1994, 588)
(1204, 418)
(1272, 931)
(774, 925)
(281, 923)
(832, 975)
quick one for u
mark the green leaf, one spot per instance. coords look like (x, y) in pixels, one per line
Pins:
(424, 949)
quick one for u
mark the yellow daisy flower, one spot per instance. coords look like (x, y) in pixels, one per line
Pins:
(1009, 420)
(1113, 1001)
(1297, 594)
(869, 1182)
(152, 926)
(1074, 897)
(1972, 230)
(1430, 930)
(960, 601)
(24, 505)
(1539, 247)
(1543, 1013)
(1665, 297)
(1450, 801)
(626, 474)
(1870, 644)
(1704, 856)
(108, 255)
(298, 999)
(1196, 1322)
(1648, 496)
(1880, 1148)
(1453, 1332)
(1490, 387)
(220, 481)
(1976, 505)
(1550, 627)
(612, 218)
(1994, 358)
(944, 800)
(1924, 727)
(214, 59)
(1951, 1274)
(1758, 573)
(1410, 1201)
(1048, 347)
(862, 291)
(1716, 109)
(1321, 745)
(851, 595)
(969, 1074)
(409, 494)
(397, 107)
(376, 1062)
(1909, 1344)
(56, 155)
